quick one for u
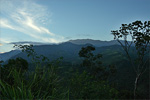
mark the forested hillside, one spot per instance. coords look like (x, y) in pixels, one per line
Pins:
(76, 70)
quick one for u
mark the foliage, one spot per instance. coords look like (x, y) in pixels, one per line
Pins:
(45, 83)
(28, 49)
(51, 80)
(140, 35)
(20, 65)
(83, 86)
(19, 83)
(94, 64)
(42, 83)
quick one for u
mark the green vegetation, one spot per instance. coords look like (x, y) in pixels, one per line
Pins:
(102, 74)
(48, 82)
(140, 34)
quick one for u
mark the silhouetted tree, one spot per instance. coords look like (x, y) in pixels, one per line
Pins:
(140, 38)
(28, 49)
(19, 64)
(93, 63)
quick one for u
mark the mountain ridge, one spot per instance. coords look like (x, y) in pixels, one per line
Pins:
(67, 48)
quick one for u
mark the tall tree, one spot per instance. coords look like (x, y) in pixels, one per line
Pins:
(94, 65)
(135, 34)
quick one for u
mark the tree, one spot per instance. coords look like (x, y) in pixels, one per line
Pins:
(19, 65)
(42, 83)
(139, 33)
(91, 61)
(94, 65)
(29, 50)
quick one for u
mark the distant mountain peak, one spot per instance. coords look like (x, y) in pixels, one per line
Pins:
(97, 43)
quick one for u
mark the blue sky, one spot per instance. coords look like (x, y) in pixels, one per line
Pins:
(54, 21)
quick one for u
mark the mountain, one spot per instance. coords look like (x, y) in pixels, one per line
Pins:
(69, 50)
(112, 54)
(8, 55)
(97, 43)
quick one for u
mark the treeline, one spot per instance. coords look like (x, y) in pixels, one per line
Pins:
(48, 81)
(89, 80)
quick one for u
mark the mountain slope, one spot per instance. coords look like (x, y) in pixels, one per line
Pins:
(96, 43)
(8, 55)
(69, 52)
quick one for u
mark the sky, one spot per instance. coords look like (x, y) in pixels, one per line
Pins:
(55, 21)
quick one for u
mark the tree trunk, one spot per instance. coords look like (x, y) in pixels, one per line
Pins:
(136, 85)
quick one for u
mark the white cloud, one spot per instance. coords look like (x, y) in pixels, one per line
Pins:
(50, 40)
(4, 23)
(29, 22)
(46, 31)
(28, 18)
(2, 40)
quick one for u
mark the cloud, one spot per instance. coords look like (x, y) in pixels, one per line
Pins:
(2, 40)
(28, 42)
(4, 23)
(1, 44)
(28, 17)
(50, 40)
(27, 20)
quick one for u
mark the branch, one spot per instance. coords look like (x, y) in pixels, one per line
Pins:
(143, 67)
(128, 55)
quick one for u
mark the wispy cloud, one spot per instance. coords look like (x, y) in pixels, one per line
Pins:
(4, 23)
(2, 40)
(28, 18)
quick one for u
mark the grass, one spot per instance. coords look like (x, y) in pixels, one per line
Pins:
(43, 83)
